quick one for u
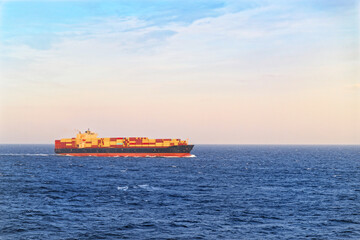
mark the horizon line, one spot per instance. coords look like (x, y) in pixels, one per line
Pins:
(234, 144)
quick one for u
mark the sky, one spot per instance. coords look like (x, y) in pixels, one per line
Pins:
(211, 71)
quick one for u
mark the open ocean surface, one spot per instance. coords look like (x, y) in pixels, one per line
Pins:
(225, 192)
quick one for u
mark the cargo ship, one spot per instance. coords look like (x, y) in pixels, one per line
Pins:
(88, 144)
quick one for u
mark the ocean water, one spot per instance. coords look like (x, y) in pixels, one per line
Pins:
(225, 192)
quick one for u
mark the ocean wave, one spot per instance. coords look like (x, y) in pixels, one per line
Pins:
(125, 188)
(147, 187)
(191, 156)
(26, 154)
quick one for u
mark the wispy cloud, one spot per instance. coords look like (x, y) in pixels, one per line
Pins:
(242, 40)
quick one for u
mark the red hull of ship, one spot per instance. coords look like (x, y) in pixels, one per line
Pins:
(127, 154)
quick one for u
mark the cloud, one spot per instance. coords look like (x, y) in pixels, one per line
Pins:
(234, 46)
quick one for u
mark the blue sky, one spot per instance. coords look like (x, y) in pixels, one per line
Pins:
(36, 23)
(254, 71)
(38, 20)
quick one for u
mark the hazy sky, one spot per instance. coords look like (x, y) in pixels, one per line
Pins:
(213, 71)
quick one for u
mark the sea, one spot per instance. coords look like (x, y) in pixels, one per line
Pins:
(222, 192)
